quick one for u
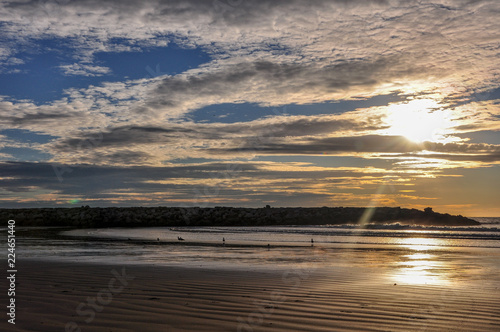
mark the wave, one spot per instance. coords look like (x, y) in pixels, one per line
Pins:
(488, 220)
(398, 226)
(319, 228)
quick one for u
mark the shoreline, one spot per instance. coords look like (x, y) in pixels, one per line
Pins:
(160, 298)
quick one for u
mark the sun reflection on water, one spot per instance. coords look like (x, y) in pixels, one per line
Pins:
(421, 244)
(420, 266)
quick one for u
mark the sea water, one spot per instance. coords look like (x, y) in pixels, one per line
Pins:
(263, 247)
(436, 256)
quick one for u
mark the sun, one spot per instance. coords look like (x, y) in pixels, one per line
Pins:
(419, 120)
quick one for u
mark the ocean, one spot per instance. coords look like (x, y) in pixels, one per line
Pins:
(419, 254)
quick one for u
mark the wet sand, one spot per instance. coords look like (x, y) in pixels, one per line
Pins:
(89, 297)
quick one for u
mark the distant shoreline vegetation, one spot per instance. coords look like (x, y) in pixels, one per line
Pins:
(86, 216)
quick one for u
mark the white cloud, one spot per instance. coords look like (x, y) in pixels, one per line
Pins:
(449, 40)
(84, 70)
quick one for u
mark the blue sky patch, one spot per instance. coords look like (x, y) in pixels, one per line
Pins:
(153, 62)
(26, 136)
(25, 154)
(230, 113)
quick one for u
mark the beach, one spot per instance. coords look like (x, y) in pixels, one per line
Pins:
(386, 278)
(55, 297)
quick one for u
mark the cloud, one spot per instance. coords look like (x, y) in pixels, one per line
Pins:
(198, 139)
(58, 118)
(35, 118)
(428, 36)
(84, 70)
(333, 145)
(329, 51)
(277, 126)
(469, 148)
(206, 183)
(119, 138)
(369, 146)
(275, 84)
(475, 115)
(345, 134)
(479, 159)
(480, 153)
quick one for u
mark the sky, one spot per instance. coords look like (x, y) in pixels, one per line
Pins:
(247, 103)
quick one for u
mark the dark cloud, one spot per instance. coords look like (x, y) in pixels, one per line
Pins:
(120, 137)
(331, 145)
(90, 179)
(315, 126)
(466, 148)
(277, 80)
(481, 158)
(35, 118)
(130, 136)
(398, 146)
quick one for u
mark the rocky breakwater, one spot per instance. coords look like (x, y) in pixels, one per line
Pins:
(225, 216)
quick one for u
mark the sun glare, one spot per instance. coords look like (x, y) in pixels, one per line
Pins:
(419, 269)
(419, 120)
(420, 265)
(421, 243)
